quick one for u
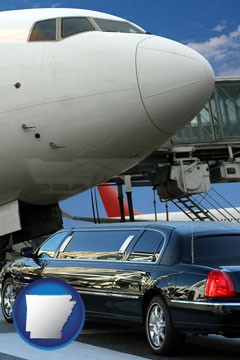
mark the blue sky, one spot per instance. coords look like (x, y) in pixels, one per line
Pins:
(212, 27)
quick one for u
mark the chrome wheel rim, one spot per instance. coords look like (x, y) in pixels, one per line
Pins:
(8, 300)
(156, 326)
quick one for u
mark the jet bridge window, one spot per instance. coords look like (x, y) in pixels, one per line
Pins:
(44, 31)
(75, 25)
(117, 26)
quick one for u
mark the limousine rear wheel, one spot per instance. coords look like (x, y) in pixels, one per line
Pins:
(161, 335)
(8, 297)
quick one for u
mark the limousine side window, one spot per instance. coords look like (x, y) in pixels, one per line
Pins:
(100, 245)
(50, 246)
(147, 247)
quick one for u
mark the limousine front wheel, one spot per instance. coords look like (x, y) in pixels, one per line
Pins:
(8, 297)
(161, 335)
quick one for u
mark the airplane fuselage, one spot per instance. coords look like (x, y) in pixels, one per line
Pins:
(78, 110)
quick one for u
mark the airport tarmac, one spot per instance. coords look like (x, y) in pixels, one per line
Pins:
(12, 347)
(114, 342)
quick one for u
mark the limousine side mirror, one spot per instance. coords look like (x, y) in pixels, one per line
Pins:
(27, 252)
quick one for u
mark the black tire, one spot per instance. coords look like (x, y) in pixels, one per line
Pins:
(8, 296)
(162, 337)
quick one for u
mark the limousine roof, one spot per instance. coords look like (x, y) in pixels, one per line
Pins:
(181, 235)
(183, 228)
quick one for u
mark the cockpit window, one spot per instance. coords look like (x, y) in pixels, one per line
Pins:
(44, 31)
(117, 26)
(60, 28)
(75, 25)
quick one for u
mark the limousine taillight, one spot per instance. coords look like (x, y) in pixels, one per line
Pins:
(219, 284)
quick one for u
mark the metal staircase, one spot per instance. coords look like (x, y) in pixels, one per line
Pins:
(192, 209)
(195, 207)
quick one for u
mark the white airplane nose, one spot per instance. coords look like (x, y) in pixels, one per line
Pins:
(174, 82)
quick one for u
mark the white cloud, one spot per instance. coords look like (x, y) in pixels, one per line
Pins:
(220, 27)
(56, 5)
(36, 5)
(223, 51)
(40, 4)
(226, 70)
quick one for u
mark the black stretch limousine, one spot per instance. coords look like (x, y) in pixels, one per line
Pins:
(176, 277)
